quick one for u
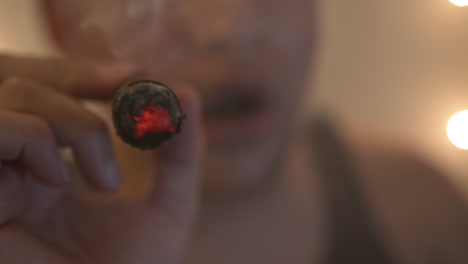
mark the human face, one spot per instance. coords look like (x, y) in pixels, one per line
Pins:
(248, 58)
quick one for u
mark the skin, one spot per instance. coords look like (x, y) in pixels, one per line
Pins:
(257, 193)
(43, 219)
(230, 53)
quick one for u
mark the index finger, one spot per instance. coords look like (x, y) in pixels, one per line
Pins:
(82, 79)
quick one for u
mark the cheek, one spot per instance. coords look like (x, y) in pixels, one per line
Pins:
(284, 63)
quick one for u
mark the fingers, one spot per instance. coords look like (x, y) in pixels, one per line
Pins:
(71, 125)
(179, 162)
(12, 194)
(82, 79)
(29, 140)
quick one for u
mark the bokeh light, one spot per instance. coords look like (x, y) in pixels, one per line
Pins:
(457, 129)
(459, 2)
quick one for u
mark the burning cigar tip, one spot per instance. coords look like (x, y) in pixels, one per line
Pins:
(146, 114)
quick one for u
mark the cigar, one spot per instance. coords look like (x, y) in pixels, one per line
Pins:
(146, 114)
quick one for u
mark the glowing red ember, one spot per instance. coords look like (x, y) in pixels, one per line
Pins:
(153, 120)
(146, 114)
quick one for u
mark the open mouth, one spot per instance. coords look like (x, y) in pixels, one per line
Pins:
(238, 113)
(235, 100)
(232, 106)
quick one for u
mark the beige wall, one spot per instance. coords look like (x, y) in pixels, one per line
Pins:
(21, 28)
(400, 66)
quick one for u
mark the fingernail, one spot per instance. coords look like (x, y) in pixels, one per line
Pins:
(112, 175)
(118, 70)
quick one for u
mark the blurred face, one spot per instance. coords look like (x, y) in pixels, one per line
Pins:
(248, 58)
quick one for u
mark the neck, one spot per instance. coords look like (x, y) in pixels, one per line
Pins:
(278, 224)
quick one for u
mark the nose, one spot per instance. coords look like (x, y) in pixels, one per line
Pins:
(206, 49)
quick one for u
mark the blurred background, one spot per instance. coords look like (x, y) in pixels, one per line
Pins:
(400, 67)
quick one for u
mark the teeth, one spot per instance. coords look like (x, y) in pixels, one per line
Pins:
(236, 105)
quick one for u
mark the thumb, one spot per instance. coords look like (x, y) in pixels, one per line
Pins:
(179, 163)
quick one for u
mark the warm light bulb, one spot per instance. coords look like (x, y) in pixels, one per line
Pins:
(457, 129)
(459, 2)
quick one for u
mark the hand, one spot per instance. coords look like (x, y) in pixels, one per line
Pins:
(45, 220)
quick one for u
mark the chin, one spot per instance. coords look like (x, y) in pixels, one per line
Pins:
(234, 172)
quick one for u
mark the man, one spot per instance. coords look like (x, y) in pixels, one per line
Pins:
(273, 190)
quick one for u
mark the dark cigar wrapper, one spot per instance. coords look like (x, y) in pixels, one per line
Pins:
(132, 99)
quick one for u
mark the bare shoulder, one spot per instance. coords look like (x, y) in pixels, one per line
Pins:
(418, 210)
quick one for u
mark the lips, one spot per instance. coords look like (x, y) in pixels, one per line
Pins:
(238, 113)
(233, 105)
